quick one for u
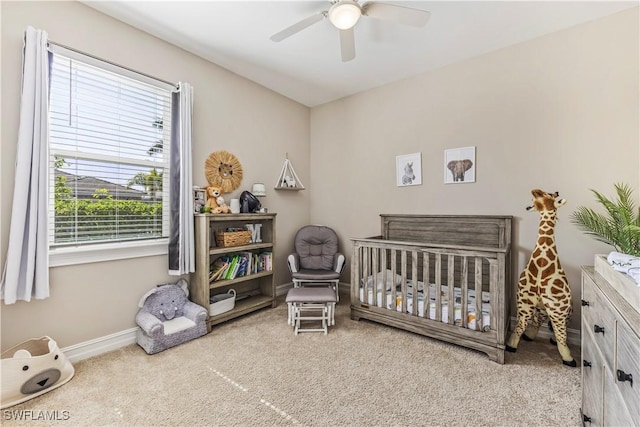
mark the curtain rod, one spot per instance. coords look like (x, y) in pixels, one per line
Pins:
(112, 63)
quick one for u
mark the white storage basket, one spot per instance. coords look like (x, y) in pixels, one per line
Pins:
(222, 303)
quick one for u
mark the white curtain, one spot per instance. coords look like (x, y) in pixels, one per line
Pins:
(26, 269)
(181, 250)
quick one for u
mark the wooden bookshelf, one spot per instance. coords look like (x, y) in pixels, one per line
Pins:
(254, 291)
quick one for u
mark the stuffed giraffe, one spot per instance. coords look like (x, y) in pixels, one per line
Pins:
(543, 286)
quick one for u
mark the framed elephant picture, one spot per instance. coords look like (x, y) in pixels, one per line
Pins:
(460, 165)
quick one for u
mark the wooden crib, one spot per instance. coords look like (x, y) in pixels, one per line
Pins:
(444, 276)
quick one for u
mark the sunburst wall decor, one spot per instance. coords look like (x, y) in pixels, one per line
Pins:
(223, 168)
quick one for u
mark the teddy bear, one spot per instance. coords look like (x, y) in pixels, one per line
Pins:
(215, 201)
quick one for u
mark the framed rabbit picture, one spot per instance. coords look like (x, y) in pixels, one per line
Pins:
(409, 170)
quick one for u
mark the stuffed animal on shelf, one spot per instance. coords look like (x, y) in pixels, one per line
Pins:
(215, 201)
(543, 289)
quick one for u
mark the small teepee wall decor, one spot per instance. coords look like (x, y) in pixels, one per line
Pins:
(288, 179)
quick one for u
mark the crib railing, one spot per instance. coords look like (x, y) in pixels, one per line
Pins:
(464, 271)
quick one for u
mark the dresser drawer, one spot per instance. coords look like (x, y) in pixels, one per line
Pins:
(599, 317)
(616, 410)
(592, 382)
(628, 362)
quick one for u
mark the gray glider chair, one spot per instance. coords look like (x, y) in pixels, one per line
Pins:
(316, 260)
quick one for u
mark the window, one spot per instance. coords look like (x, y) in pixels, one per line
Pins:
(109, 157)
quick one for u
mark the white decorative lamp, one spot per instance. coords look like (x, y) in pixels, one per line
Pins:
(258, 190)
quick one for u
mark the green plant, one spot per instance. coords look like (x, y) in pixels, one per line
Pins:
(620, 227)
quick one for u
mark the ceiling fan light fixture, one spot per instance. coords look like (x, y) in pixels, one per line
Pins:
(344, 14)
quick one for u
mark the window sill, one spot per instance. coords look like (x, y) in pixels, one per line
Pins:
(106, 252)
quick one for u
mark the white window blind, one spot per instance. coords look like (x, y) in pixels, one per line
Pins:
(109, 153)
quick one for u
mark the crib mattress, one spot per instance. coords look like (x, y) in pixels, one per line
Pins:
(459, 308)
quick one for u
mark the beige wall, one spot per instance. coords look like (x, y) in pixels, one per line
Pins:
(230, 113)
(558, 113)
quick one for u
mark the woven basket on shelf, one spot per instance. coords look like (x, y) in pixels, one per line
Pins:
(225, 239)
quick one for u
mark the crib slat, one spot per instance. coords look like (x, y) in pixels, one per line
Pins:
(385, 278)
(451, 285)
(355, 273)
(427, 286)
(493, 293)
(365, 264)
(438, 283)
(403, 287)
(394, 272)
(374, 272)
(414, 279)
(464, 284)
(478, 283)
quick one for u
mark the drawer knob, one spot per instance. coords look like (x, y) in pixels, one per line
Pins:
(584, 303)
(598, 329)
(586, 363)
(623, 376)
(586, 419)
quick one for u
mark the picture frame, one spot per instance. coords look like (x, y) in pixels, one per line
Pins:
(460, 165)
(199, 199)
(409, 170)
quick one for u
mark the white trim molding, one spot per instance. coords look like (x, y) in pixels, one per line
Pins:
(84, 350)
(59, 257)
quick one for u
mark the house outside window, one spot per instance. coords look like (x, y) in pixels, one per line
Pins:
(109, 161)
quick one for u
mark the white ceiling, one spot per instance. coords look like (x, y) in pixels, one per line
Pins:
(307, 66)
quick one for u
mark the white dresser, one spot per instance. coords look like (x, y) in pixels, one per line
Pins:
(610, 354)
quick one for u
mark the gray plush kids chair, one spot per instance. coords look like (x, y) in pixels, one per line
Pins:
(167, 318)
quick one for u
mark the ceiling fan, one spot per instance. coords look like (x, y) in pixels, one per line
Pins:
(344, 14)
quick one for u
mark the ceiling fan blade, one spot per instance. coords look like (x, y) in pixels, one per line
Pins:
(289, 31)
(347, 45)
(399, 14)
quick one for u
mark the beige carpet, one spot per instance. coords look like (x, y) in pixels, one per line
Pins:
(254, 372)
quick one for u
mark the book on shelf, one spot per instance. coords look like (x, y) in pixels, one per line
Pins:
(219, 269)
(255, 263)
(265, 260)
(228, 267)
(245, 264)
(233, 268)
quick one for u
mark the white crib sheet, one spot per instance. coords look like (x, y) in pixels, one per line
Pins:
(471, 304)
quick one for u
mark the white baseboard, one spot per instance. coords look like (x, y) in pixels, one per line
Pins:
(283, 289)
(573, 335)
(97, 346)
